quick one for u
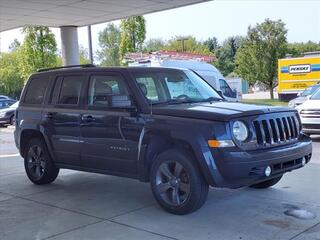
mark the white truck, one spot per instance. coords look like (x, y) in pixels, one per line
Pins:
(207, 71)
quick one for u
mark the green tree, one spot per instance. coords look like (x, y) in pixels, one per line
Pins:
(11, 80)
(39, 49)
(226, 55)
(212, 44)
(297, 49)
(257, 59)
(14, 45)
(153, 45)
(187, 44)
(109, 42)
(84, 55)
(133, 34)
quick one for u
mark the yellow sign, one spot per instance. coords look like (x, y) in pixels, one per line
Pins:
(296, 74)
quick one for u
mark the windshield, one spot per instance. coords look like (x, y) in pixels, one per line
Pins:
(316, 96)
(175, 86)
(310, 90)
(15, 105)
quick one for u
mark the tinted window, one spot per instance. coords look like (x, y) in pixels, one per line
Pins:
(36, 91)
(103, 87)
(70, 90)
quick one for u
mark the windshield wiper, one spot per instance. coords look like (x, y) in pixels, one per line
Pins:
(211, 99)
(174, 101)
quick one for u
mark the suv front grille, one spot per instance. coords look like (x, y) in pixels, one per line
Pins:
(310, 113)
(282, 129)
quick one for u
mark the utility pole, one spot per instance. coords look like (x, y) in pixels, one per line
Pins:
(182, 42)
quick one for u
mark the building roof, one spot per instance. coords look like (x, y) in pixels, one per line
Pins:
(55, 13)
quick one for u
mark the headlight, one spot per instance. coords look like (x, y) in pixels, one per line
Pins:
(291, 104)
(240, 131)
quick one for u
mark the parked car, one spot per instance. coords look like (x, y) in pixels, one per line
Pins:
(3, 97)
(310, 114)
(5, 103)
(7, 114)
(302, 97)
(165, 126)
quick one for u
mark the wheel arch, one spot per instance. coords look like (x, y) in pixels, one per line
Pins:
(156, 143)
(26, 135)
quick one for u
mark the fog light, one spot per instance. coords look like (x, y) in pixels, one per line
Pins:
(267, 172)
(304, 161)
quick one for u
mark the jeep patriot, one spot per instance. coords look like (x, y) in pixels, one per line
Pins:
(165, 126)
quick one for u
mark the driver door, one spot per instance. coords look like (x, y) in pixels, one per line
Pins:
(110, 134)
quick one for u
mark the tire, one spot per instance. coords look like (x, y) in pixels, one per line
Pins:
(38, 164)
(177, 183)
(267, 184)
(11, 122)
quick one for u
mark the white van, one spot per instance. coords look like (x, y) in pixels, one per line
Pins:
(205, 70)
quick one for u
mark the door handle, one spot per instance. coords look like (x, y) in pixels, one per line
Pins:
(87, 118)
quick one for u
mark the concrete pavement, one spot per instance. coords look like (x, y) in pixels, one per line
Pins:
(92, 206)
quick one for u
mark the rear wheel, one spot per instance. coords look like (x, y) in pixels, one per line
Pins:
(177, 183)
(38, 164)
(267, 184)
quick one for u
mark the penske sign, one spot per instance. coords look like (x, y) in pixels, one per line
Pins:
(305, 68)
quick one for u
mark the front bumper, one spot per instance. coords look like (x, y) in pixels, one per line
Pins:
(310, 125)
(5, 120)
(238, 168)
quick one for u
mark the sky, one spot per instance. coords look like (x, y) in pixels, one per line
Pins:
(219, 18)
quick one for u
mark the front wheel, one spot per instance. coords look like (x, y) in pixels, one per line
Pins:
(177, 183)
(267, 184)
(38, 164)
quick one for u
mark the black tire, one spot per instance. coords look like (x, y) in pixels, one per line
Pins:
(38, 164)
(11, 120)
(267, 184)
(183, 189)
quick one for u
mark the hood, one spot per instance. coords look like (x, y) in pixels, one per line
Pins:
(309, 104)
(8, 109)
(219, 111)
(299, 100)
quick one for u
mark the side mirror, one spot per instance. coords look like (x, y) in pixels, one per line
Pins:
(299, 94)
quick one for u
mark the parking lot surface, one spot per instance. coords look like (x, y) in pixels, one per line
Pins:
(91, 206)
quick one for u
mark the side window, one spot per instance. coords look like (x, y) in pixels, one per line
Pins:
(103, 87)
(70, 90)
(148, 88)
(36, 90)
(226, 90)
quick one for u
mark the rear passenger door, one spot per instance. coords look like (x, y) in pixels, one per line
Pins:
(63, 118)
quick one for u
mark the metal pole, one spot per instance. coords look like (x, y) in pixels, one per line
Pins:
(90, 44)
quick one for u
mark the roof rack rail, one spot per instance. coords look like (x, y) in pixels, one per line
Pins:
(69, 66)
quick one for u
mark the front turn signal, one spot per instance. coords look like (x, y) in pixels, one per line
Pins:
(220, 143)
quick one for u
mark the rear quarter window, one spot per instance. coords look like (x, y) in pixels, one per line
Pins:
(36, 90)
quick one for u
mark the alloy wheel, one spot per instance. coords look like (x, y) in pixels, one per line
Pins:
(172, 183)
(36, 162)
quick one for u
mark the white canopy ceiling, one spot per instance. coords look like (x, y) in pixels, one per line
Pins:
(55, 13)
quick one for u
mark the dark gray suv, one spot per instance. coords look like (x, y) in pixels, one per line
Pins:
(159, 125)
